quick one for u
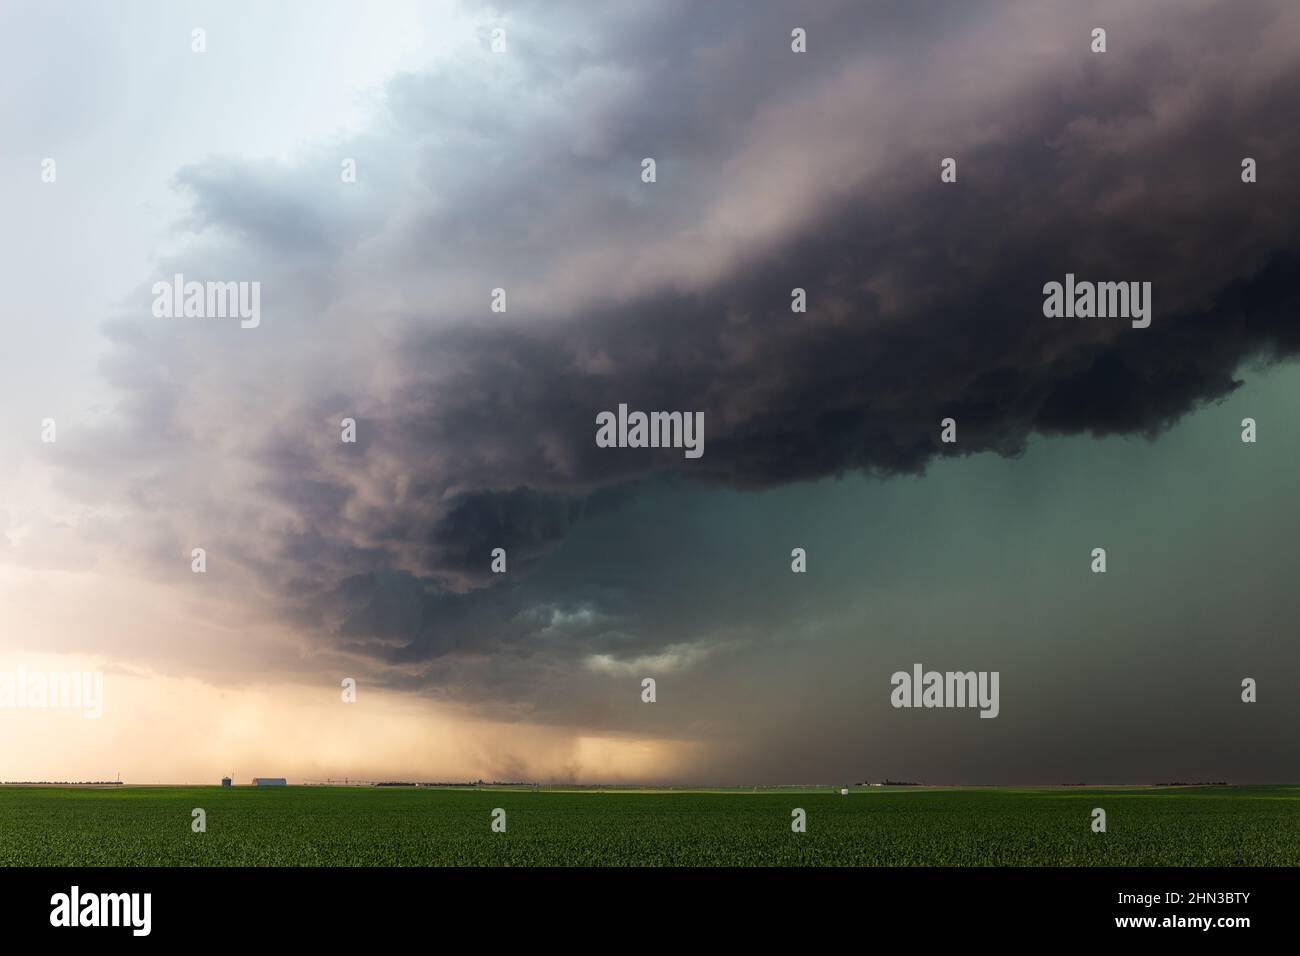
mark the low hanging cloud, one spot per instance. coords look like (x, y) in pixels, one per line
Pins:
(775, 170)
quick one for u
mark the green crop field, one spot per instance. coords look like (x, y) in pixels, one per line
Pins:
(361, 826)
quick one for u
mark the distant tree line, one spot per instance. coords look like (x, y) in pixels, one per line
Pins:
(1184, 783)
(460, 783)
(61, 783)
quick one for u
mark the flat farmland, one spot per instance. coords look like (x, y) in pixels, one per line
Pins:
(371, 826)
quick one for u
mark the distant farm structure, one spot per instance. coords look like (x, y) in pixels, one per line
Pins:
(268, 782)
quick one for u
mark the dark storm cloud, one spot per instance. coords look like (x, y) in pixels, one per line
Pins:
(776, 170)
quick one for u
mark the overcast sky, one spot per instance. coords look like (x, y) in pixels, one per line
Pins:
(522, 170)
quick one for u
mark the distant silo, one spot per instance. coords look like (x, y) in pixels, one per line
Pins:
(225, 781)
